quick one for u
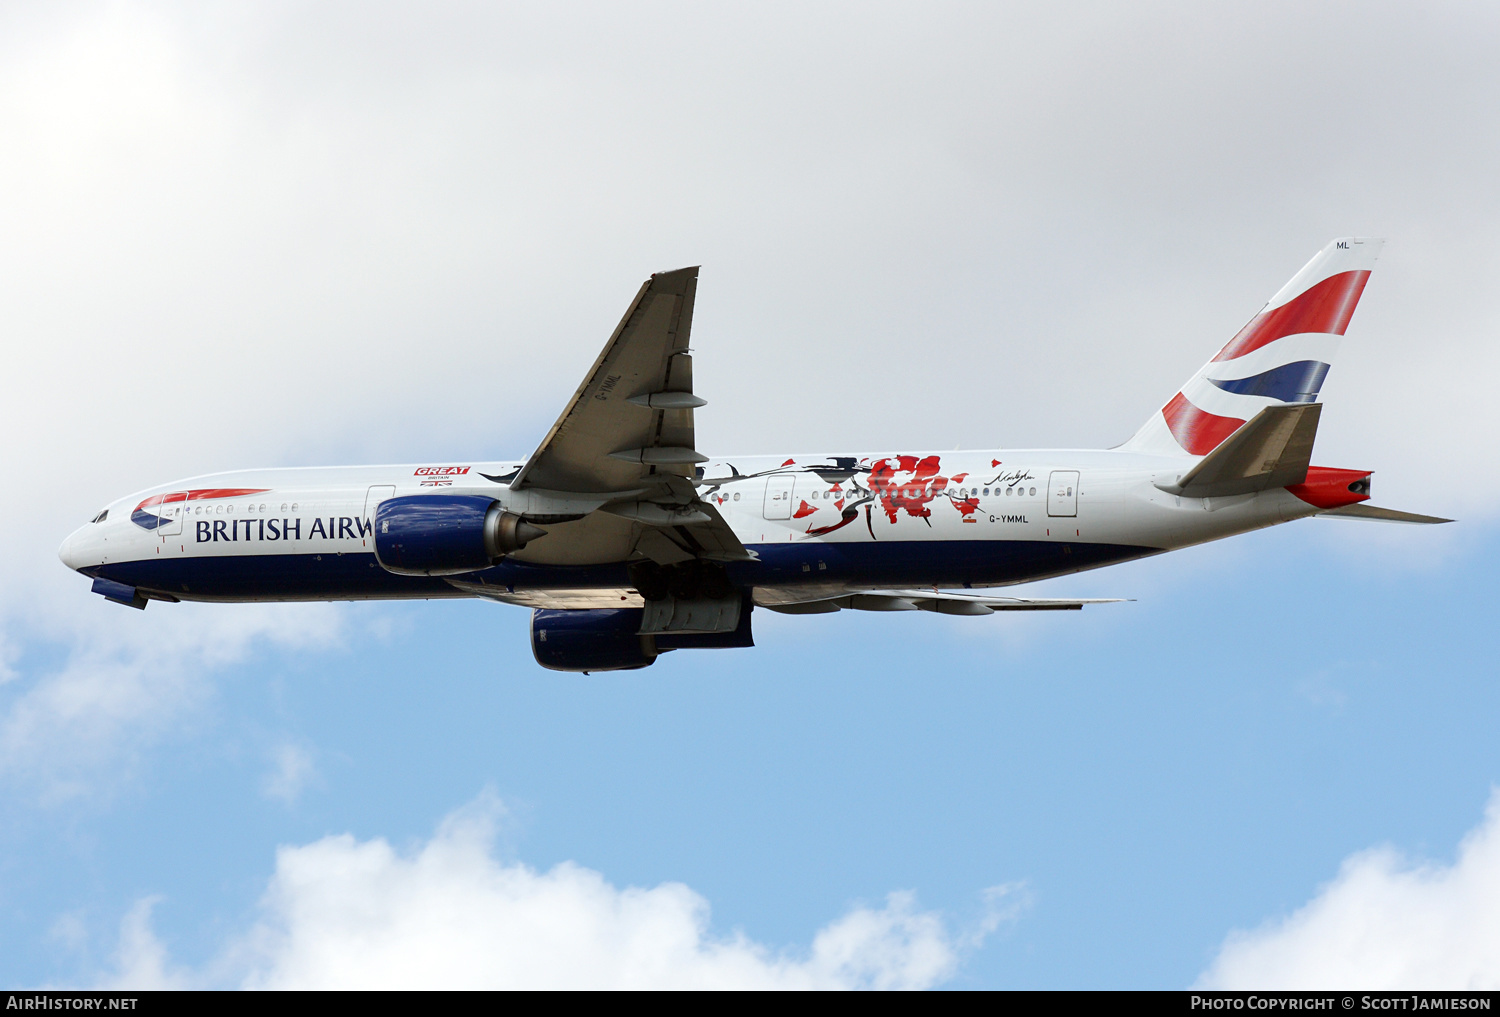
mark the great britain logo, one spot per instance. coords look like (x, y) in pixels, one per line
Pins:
(439, 476)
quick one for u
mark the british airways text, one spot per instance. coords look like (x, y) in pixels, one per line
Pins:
(334, 528)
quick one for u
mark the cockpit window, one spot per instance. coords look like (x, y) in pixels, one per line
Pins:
(101, 516)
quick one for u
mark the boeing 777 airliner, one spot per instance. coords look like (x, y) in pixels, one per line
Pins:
(626, 541)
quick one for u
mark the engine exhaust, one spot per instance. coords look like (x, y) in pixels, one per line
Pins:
(505, 532)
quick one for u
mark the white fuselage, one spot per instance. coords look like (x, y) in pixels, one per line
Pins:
(815, 526)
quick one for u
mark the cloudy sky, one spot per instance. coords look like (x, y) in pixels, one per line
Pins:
(291, 234)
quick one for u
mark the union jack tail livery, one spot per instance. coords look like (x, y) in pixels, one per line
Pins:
(1280, 357)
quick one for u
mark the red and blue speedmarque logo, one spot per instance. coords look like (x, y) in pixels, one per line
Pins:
(164, 503)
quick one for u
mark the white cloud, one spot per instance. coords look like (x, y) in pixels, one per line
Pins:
(130, 677)
(344, 913)
(1383, 923)
(141, 959)
(69, 931)
(292, 767)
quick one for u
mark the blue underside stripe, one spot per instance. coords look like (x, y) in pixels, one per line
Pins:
(1291, 383)
(358, 576)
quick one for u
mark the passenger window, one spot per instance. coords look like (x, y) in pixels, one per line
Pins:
(1033, 492)
(736, 496)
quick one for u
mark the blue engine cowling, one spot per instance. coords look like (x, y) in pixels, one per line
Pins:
(446, 534)
(599, 640)
(608, 639)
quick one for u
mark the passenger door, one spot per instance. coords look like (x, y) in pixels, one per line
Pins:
(779, 497)
(171, 511)
(1062, 493)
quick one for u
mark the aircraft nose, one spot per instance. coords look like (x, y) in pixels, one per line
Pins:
(73, 550)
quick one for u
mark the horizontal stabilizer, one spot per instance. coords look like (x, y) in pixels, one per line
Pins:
(1272, 449)
(1383, 515)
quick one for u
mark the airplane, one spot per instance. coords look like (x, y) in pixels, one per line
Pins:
(627, 542)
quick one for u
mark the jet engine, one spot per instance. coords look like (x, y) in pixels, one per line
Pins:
(610, 639)
(446, 534)
(596, 640)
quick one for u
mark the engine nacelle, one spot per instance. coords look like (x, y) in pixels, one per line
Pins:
(446, 534)
(610, 639)
(604, 639)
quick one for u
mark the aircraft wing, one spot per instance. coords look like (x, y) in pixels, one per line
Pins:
(632, 418)
(941, 602)
(552, 600)
(628, 432)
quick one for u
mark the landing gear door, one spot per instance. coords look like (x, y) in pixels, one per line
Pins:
(373, 498)
(170, 511)
(1062, 493)
(779, 497)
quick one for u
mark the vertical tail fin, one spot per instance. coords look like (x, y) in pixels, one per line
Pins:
(1280, 357)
